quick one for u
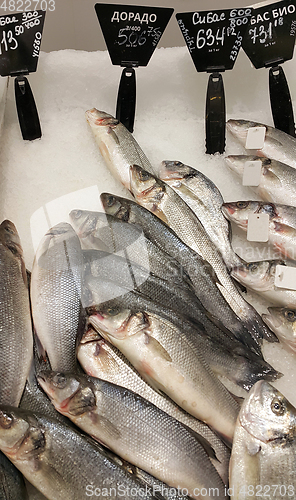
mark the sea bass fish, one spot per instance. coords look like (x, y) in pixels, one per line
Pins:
(282, 321)
(282, 223)
(61, 462)
(101, 359)
(12, 485)
(263, 454)
(56, 294)
(277, 144)
(205, 200)
(160, 199)
(167, 360)
(16, 353)
(276, 182)
(135, 429)
(260, 277)
(117, 145)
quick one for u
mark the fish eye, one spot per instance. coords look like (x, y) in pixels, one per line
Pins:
(6, 420)
(242, 204)
(110, 201)
(144, 176)
(77, 214)
(278, 407)
(252, 267)
(178, 163)
(112, 311)
(8, 230)
(59, 381)
(290, 315)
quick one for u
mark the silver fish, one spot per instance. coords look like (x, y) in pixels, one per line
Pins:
(277, 144)
(159, 198)
(117, 145)
(12, 485)
(260, 277)
(263, 453)
(282, 223)
(276, 182)
(16, 352)
(166, 359)
(282, 322)
(61, 462)
(205, 200)
(135, 429)
(56, 279)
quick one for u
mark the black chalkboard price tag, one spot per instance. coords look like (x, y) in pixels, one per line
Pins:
(131, 33)
(269, 41)
(20, 41)
(214, 39)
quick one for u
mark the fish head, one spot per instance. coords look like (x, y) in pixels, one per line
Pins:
(237, 163)
(114, 321)
(239, 128)
(86, 222)
(238, 211)
(9, 237)
(71, 394)
(256, 275)
(15, 435)
(115, 206)
(97, 358)
(173, 170)
(267, 415)
(101, 119)
(147, 189)
(282, 322)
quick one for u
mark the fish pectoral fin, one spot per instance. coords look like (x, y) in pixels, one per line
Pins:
(272, 177)
(107, 428)
(204, 443)
(157, 348)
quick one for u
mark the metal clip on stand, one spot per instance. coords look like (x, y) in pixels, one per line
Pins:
(126, 99)
(280, 100)
(215, 115)
(26, 109)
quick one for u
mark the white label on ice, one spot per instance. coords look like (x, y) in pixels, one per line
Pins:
(252, 173)
(285, 277)
(258, 227)
(255, 138)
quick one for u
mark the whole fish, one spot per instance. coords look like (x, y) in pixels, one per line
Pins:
(260, 277)
(56, 280)
(276, 181)
(282, 321)
(101, 359)
(61, 462)
(12, 485)
(159, 198)
(263, 454)
(205, 283)
(277, 144)
(16, 353)
(133, 428)
(166, 359)
(282, 223)
(117, 145)
(205, 200)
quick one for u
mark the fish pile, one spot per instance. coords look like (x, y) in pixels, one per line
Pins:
(127, 351)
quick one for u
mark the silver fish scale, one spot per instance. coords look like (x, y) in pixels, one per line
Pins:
(131, 149)
(121, 372)
(161, 445)
(16, 351)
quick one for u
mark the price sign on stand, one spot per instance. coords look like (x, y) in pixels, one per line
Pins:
(214, 39)
(20, 41)
(131, 33)
(269, 41)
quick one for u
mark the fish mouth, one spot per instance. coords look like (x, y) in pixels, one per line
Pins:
(105, 120)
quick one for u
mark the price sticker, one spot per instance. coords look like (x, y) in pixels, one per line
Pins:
(285, 277)
(258, 227)
(214, 38)
(255, 138)
(270, 36)
(132, 32)
(252, 173)
(20, 42)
